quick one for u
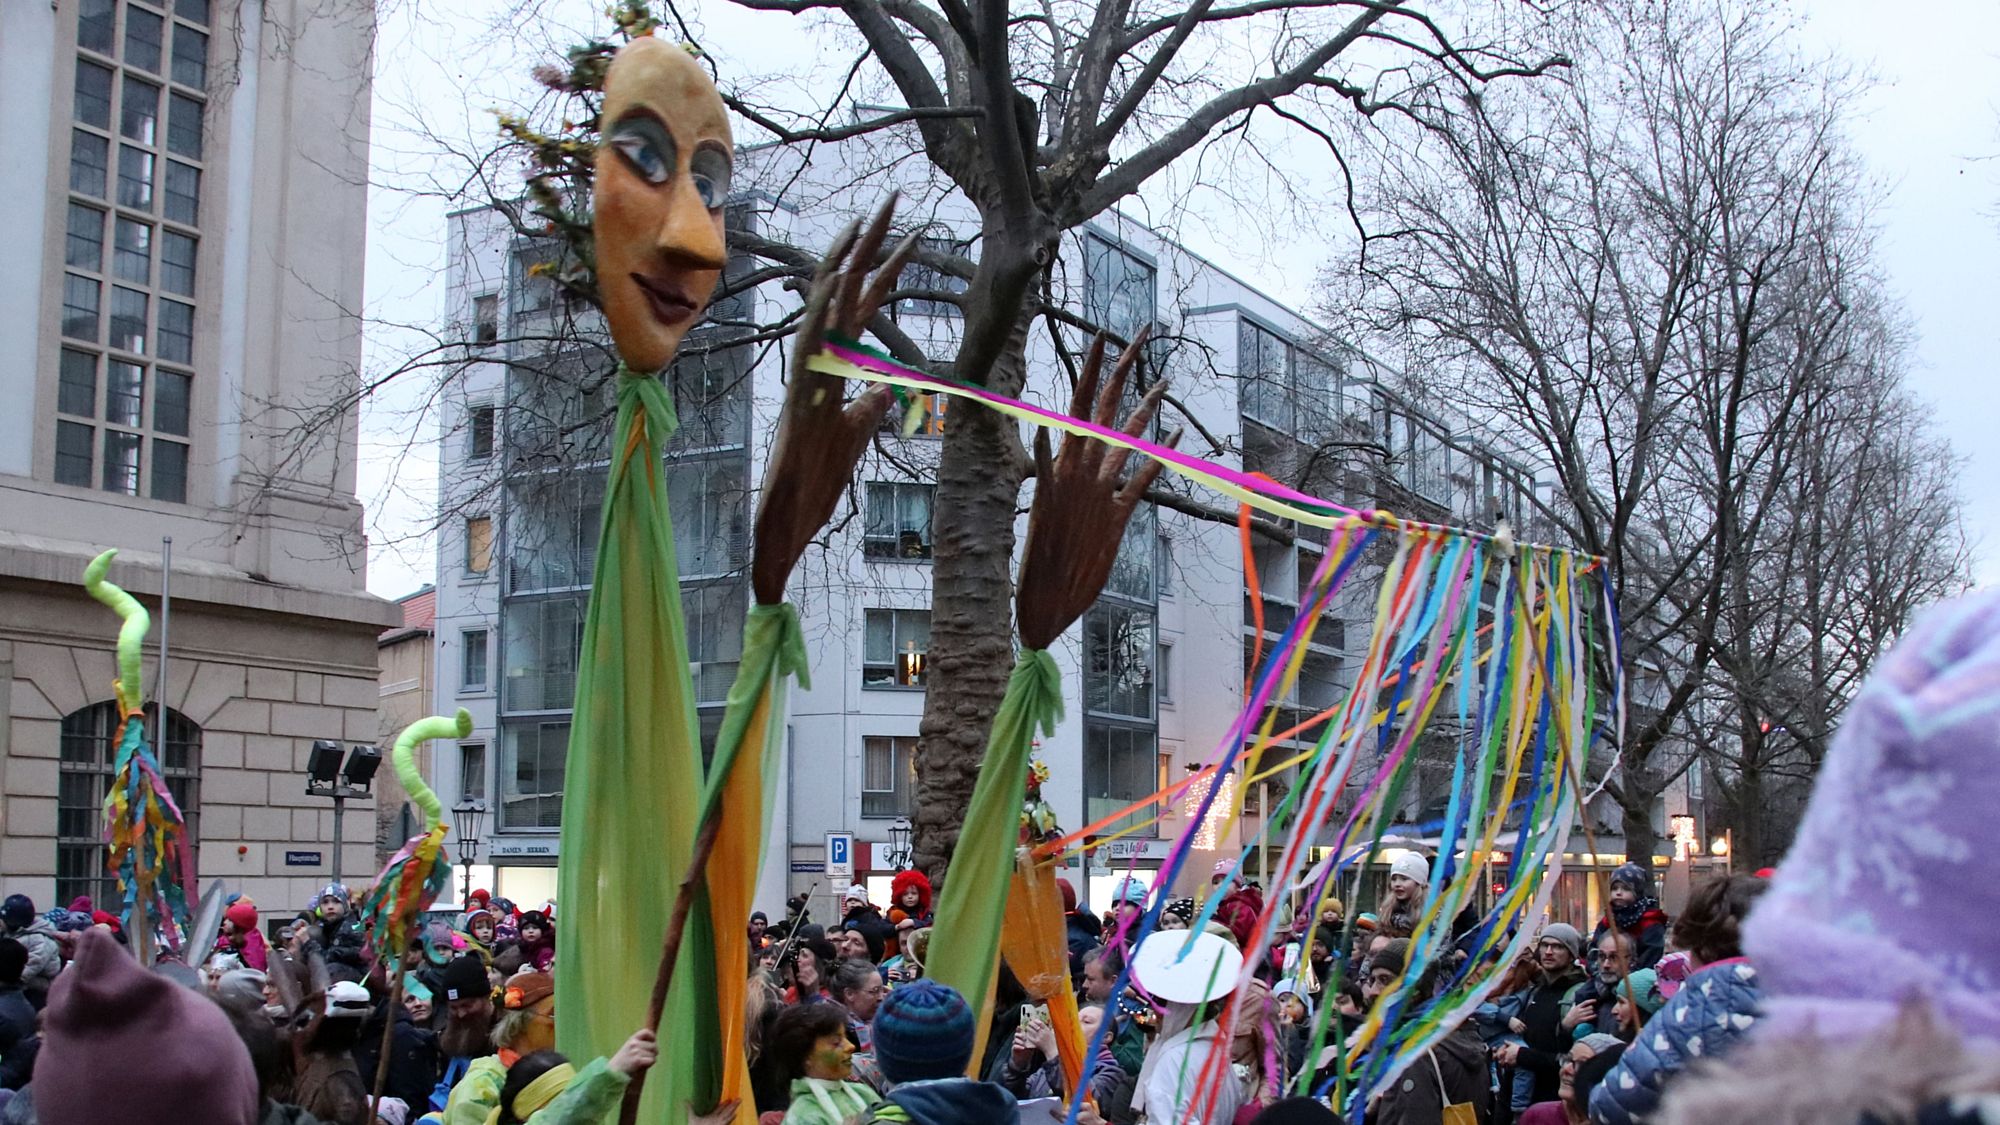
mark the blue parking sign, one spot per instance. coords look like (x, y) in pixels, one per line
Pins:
(839, 855)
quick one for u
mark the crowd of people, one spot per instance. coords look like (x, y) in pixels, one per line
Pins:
(1855, 986)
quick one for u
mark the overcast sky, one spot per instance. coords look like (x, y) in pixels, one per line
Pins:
(1930, 130)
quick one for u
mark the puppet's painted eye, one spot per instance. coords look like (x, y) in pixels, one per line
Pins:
(710, 171)
(645, 145)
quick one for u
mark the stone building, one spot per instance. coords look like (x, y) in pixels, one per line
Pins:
(178, 326)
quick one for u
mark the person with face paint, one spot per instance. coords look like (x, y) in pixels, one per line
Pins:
(809, 1044)
(527, 1024)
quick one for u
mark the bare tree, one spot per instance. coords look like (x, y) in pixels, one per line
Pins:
(1647, 273)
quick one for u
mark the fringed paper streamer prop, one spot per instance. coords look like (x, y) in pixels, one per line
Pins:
(145, 829)
(421, 871)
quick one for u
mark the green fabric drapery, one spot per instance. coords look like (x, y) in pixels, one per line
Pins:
(974, 901)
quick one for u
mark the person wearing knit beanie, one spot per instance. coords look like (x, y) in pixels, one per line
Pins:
(1402, 904)
(1635, 912)
(175, 1056)
(923, 1043)
(1638, 1000)
(923, 1030)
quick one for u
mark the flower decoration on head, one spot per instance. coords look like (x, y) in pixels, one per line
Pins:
(1038, 817)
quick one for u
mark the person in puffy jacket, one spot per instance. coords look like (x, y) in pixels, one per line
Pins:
(1710, 1013)
(19, 921)
(241, 936)
(1635, 913)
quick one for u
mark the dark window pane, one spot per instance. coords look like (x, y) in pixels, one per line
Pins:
(196, 10)
(184, 126)
(177, 263)
(93, 94)
(139, 111)
(121, 462)
(97, 25)
(89, 160)
(482, 431)
(190, 57)
(144, 35)
(124, 393)
(132, 251)
(135, 178)
(73, 442)
(77, 388)
(85, 246)
(170, 402)
(170, 471)
(176, 338)
(79, 308)
(183, 193)
(128, 320)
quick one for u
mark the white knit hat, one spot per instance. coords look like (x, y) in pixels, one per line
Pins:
(856, 893)
(1413, 867)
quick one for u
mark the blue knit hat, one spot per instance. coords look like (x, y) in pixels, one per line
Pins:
(923, 1030)
(1635, 877)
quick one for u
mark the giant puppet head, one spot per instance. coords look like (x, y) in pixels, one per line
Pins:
(662, 175)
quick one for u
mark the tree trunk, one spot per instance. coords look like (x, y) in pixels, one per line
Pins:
(972, 628)
(1640, 790)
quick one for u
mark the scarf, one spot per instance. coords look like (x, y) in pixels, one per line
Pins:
(1629, 917)
(538, 1094)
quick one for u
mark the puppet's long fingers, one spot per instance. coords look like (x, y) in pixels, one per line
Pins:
(883, 281)
(1108, 398)
(1143, 479)
(865, 413)
(854, 272)
(1114, 461)
(1086, 383)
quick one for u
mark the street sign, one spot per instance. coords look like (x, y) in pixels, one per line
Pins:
(839, 855)
(805, 867)
(304, 859)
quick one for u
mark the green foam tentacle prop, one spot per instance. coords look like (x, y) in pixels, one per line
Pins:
(405, 758)
(131, 633)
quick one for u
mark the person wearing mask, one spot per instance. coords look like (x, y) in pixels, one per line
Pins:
(1192, 988)
(857, 987)
(527, 1024)
(923, 1043)
(1544, 1040)
(1710, 1013)
(808, 1045)
(1451, 1074)
(1636, 914)
(241, 936)
(37, 936)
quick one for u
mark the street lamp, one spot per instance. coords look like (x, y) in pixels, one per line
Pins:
(900, 852)
(465, 821)
(326, 777)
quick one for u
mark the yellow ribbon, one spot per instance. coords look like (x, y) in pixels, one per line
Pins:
(538, 1094)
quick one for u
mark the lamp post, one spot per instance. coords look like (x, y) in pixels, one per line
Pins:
(327, 777)
(465, 821)
(900, 852)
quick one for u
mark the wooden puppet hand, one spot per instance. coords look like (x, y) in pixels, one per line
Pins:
(820, 437)
(1081, 505)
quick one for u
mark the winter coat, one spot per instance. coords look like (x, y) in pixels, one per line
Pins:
(44, 955)
(1605, 994)
(254, 952)
(1547, 1041)
(1454, 1069)
(1083, 932)
(342, 942)
(1168, 1093)
(477, 1093)
(18, 1041)
(414, 1059)
(589, 1099)
(946, 1101)
(1703, 1020)
(1649, 937)
(819, 1101)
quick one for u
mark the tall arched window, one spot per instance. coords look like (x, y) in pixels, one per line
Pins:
(89, 751)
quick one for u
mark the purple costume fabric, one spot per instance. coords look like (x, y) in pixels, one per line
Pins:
(1888, 893)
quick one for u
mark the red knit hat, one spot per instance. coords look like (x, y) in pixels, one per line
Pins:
(175, 1055)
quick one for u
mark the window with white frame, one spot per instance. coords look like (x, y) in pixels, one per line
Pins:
(1164, 675)
(895, 647)
(888, 776)
(132, 246)
(486, 319)
(898, 521)
(480, 424)
(473, 659)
